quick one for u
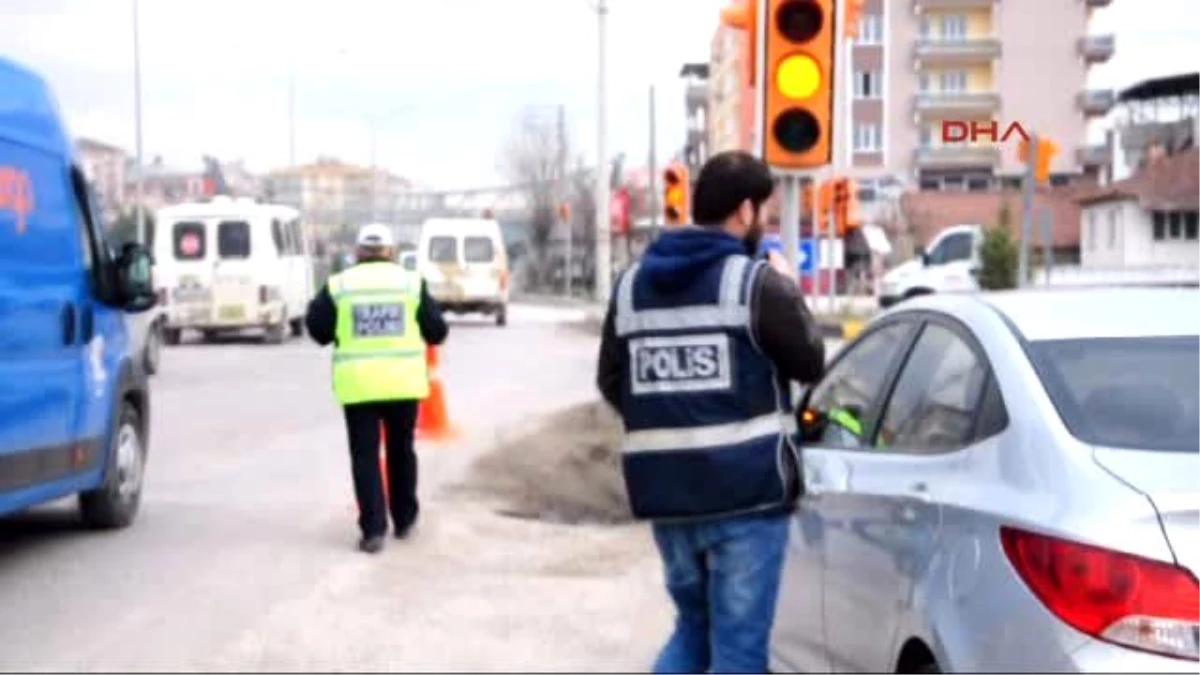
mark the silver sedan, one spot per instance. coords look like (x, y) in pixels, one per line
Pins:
(1002, 483)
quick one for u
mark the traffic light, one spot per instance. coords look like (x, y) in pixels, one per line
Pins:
(798, 110)
(676, 186)
(854, 10)
(1046, 151)
(743, 16)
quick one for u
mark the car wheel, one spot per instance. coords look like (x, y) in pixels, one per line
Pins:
(115, 504)
(297, 326)
(502, 315)
(172, 336)
(152, 351)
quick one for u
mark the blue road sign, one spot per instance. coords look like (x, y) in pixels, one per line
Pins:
(807, 265)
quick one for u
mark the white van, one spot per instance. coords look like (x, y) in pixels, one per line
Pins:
(951, 263)
(465, 264)
(231, 264)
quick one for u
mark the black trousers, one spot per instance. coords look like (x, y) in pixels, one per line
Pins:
(362, 426)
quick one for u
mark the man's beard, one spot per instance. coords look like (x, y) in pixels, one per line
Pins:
(752, 240)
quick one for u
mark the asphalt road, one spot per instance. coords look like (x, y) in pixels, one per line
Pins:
(243, 557)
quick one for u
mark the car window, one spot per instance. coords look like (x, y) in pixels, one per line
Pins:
(932, 407)
(952, 248)
(846, 393)
(479, 250)
(443, 249)
(279, 238)
(1135, 393)
(189, 241)
(233, 239)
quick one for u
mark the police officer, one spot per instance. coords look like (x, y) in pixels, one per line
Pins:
(698, 350)
(379, 317)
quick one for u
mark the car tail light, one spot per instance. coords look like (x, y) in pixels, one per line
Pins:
(1117, 597)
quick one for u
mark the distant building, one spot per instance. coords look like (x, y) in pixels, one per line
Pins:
(105, 167)
(165, 185)
(336, 196)
(1160, 113)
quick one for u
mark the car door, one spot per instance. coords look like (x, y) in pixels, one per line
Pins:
(855, 382)
(953, 261)
(39, 314)
(889, 521)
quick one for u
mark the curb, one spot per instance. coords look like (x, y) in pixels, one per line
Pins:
(847, 329)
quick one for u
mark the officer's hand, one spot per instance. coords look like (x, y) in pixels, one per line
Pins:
(781, 265)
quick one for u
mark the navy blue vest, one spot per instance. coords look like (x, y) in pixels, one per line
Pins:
(709, 429)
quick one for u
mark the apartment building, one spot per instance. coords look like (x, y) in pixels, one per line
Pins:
(919, 63)
(335, 195)
(730, 97)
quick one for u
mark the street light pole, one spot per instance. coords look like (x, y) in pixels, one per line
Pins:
(139, 168)
(603, 224)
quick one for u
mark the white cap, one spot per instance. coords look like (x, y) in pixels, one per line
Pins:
(376, 235)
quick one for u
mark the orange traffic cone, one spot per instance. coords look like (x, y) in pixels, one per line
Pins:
(433, 420)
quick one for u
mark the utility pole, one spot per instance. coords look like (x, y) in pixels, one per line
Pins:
(1027, 211)
(140, 170)
(652, 198)
(563, 194)
(603, 223)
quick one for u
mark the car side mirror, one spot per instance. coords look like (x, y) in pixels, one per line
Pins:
(925, 261)
(135, 283)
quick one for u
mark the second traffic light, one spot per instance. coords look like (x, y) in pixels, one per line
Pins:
(676, 194)
(800, 50)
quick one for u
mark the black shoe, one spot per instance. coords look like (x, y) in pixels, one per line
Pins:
(371, 544)
(403, 533)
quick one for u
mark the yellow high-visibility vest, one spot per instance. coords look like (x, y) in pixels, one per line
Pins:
(380, 354)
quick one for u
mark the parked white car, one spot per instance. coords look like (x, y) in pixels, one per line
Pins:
(951, 263)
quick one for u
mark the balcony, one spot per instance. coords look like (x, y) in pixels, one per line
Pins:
(1097, 103)
(696, 96)
(956, 156)
(957, 51)
(962, 103)
(1092, 156)
(1097, 48)
(934, 5)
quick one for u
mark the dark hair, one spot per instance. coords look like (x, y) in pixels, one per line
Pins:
(726, 180)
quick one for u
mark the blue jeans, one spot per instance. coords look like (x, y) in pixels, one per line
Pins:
(723, 576)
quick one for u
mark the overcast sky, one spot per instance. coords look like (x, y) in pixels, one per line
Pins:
(215, 72)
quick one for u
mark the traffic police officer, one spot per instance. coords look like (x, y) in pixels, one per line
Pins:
(698, 352)
(380, 319)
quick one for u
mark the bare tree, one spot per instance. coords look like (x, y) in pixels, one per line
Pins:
(583, 210)
(532, 159)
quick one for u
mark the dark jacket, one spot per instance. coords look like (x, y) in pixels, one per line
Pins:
(321, 318)
(780, 320)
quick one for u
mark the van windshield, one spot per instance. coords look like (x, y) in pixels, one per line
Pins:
(479, 250)
(233, 239)
(443, 249)
(189, 241)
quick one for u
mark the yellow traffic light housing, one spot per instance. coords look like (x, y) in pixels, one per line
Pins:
(798, 87)
(743, 16)
(676, 189)
(845, 205)
(1047, 150)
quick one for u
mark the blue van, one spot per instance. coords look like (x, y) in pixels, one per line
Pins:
(74, 403)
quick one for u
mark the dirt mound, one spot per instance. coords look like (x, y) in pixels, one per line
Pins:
(567, 470)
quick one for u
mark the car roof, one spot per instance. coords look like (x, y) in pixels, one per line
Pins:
(29, 112)
(1065, 314)
(222, 207)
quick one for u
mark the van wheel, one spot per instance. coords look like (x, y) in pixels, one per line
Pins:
(115, 503)
(172, 336)
(502, 315)
(297, 326)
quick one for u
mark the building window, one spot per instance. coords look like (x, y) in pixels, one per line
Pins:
(926, 136)
(924, 28)
(1175, 225)
(866, 138)
(923, 83)
(870, 30)
(1160, 225)
(954, 27)
(868, 84)
(978, 184)
(867, 190)
(953, 81)
(1190, 219)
